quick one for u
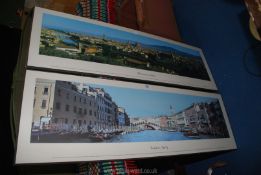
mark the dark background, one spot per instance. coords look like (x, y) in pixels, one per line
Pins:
(9, 52)
(220, 28)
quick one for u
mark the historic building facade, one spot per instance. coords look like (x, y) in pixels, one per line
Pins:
(73, 107)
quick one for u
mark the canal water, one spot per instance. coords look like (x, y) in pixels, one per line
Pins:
(142, 136)
(149, 136)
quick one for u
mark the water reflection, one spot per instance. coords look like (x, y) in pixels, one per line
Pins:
(149, 136)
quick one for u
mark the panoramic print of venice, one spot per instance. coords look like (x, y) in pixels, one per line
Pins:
(70, 112)
(73, 39)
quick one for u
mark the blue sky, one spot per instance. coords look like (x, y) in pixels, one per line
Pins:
(87, 28)
(146, 103)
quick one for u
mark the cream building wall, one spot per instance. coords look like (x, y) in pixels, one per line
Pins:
(43, 100)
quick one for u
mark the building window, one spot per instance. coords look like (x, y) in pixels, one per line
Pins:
(58, 105)
(90, 103)
(90, 112)
(94, 113)
(67, 108)
(84, 122)
(67, 96)
(75, 98)
(59, 92)
(84, 101)
(80, 110)
(74, 121)
(74, 109)
(55, 120)
(43, 104)
(90, 123)
(80, 100)
(66, 121)
(45, 92)
(84, 111)
(80, 123)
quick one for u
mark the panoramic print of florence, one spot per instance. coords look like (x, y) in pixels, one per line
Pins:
(73, 112)
(82, 40)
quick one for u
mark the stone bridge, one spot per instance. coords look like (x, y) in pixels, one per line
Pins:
(147, 125)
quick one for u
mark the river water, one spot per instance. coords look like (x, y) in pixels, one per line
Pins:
(66, 39)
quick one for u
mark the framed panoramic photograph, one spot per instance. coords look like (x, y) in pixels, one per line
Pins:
(74, 118)
(66, 42)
